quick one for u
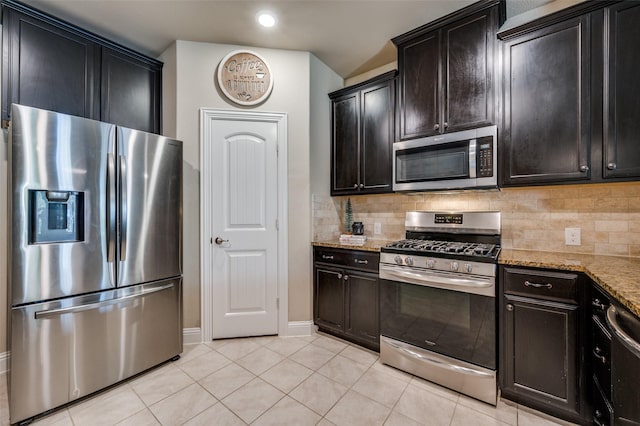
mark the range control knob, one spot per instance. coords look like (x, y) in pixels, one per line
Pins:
(431, 263)
(454, 266)
(408, 261)
(398, 260)
(467, 267)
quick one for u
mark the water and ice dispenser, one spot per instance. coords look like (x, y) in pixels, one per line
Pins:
(56, 216)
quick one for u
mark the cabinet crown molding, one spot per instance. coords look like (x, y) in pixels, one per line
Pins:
(452, 17)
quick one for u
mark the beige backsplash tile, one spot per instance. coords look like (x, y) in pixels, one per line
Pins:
(533, 218)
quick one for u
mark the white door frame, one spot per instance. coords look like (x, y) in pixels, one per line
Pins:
(208, 116)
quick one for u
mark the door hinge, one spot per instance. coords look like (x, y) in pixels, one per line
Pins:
(277, 225)
(277, 150)
(211, 240)
(277, 303)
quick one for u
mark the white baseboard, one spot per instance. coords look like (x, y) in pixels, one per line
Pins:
(300, 328)
(4, 362)
(191, 336)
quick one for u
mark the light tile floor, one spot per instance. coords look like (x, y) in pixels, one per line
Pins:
(315, 380)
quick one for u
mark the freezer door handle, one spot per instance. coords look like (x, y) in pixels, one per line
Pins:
(111, 208)
(123, 207)
(95, 305)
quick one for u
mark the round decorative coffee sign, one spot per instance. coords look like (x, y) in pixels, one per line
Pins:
(245, 78)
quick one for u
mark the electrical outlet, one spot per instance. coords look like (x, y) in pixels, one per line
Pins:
(572, 236)
(377, 228)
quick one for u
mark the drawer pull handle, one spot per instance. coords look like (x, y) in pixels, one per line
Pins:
(597, 352)
(597, 415)
(596, 303)
(324, 256)
(361, 262)
(537, 285)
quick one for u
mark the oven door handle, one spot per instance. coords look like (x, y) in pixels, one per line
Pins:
(431, 279)
(446, 365)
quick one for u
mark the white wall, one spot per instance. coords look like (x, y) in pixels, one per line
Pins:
(323, 82)
(195, 65)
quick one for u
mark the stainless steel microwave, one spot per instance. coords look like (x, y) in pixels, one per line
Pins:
(459, 160)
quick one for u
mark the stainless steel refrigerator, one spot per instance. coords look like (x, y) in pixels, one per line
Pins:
(95, 225)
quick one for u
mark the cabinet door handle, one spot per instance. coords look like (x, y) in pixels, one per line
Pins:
(355, 185)
(346, 277)
(446, 125)
(612, 166)
(339, 276)
(597, 415)
(537, 285)
(584, 169)
(327, 257)
(509, 307)
(362, 185)
(436, 126)
(597, 352)
(596, 303)
(361, 262)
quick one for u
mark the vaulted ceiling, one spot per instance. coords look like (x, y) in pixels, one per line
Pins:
(350, 36)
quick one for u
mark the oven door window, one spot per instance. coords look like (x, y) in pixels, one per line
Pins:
(446, 161)
(452, 323)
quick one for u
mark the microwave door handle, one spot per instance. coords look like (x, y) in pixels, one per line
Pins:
(472, 159)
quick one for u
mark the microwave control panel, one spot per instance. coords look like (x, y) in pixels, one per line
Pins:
(484, 166)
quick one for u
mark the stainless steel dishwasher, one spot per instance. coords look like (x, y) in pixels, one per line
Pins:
(625, 364)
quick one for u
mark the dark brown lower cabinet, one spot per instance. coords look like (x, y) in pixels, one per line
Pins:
(615, 358)
(345, 295)
(541, 361)
(540, 351)
(329, 298)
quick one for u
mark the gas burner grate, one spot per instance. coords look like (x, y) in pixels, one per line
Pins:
(435, 246)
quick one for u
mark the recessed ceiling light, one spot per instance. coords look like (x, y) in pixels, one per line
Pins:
(266, 19)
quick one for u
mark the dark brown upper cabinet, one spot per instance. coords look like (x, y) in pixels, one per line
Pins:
(621, 150)
(51, 64)
(131, 88)
(48, 66)
(546, 127)
(362, 137)
(446, 72)
(570, 92)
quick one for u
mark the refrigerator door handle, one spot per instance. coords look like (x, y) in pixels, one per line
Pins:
(95, 305)
(123, 207)
(111, 208)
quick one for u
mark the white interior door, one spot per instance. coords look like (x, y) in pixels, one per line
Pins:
(244, 211)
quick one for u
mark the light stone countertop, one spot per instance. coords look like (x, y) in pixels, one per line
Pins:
(370, 245)
(619, 276)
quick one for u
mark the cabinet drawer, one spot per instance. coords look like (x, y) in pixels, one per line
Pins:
(348, 258)
(601, 357)
(541, 284)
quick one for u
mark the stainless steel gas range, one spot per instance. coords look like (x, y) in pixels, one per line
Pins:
(438, 300)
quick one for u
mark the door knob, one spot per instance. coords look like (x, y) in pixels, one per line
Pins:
(219, 241)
